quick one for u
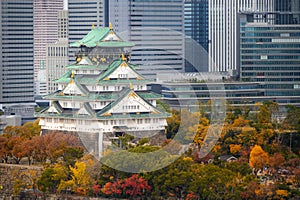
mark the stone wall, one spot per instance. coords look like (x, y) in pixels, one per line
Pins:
(23, 175)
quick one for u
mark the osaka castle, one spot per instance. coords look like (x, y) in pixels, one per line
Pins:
(102, 96)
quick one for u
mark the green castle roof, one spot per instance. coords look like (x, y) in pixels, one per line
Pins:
(95, 38)
(99, 97)
(114, 65)
(98, 79)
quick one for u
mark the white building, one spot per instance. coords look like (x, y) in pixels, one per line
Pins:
(102, 96)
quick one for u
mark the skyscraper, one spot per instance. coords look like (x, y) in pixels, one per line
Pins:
(288, 11)
(45, 28)
(57, 53)
(156, 27)
(222, 35)
(196, 21)
(82, 14)
(16, 61)
(224, 29)
(196, 35)
(270, 51)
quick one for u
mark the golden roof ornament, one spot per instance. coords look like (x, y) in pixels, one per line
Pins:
(110, 26)
(123, 57)
(93, 25)
(73, 74)
(130, 86)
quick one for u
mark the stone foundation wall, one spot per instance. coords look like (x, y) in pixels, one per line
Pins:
(10, 174)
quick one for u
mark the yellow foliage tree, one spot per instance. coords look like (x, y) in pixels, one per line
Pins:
(282, 193)
(235, 148)
(80, 179)
(200, 130)
(258, 157)
(240, 122)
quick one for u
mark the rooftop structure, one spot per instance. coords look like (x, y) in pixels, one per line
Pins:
(102, 96)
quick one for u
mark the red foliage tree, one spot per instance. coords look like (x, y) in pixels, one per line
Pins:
(96, 190)
(112, 188)
(135, 186)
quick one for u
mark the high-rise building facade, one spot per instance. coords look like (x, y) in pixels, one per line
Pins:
(156, 27)
(16, 61)
(82, 15)
(196, 35)
(45, 29)
(224, 29)
(270, 54)
(222, 35)
(57, 53)
(196, 21)
(287, 11)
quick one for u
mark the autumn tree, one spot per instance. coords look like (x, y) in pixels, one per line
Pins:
(80, 179)
(292, 120)
(173, 124)
(51, 178)
(200, 129)
(276, 161)
(135, 186)
(4, 151)
(113, 189)
(235, 148)
(258, 158)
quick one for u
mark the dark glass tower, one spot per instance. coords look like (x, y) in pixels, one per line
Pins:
(287, 11)
(196, 32)
(16, 61)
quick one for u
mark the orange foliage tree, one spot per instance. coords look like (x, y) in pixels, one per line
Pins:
(258, 158)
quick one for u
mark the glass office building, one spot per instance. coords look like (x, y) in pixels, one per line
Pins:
(270, 53)
(196, 35)
(16, 60)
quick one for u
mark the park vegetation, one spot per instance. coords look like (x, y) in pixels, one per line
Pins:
(265, 148)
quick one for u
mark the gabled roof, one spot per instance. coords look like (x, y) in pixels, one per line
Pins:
(86, 110)
(54, 108)
(127, 93)
(115, 65)
(98, 36)
(85, 61)
(75, 86)
(65, 78)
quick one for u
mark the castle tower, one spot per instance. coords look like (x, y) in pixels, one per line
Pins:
(102, 96)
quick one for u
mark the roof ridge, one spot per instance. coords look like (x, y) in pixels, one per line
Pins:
(121, 94)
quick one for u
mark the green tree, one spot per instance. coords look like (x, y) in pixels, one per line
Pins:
(51, 177)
